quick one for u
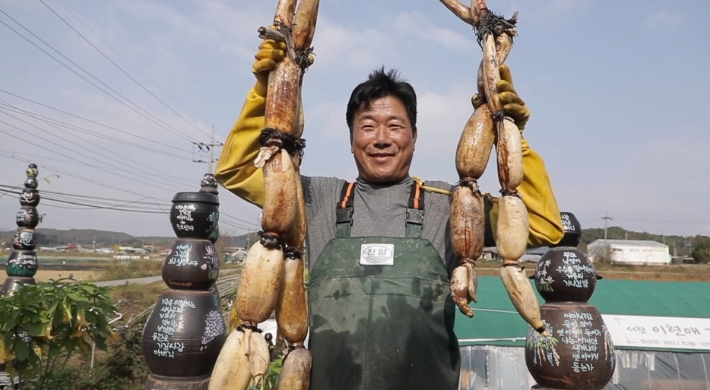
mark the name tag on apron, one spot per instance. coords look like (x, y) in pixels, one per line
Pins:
(377, 254)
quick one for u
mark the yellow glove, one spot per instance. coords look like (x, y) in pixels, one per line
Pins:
(513, 105)
(270, 52)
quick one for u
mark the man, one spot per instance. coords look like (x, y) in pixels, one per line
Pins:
(379, 252)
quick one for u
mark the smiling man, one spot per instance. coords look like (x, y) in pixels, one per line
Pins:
(379, 248)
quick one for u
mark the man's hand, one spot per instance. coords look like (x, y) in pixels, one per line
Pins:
(513, 105)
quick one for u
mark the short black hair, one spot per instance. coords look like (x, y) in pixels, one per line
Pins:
(380, 84)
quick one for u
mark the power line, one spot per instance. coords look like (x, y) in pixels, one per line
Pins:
(83, 205)
(67, 126)
(224, 217)
(121, 69)
(63, 172)
(51, 123)
(89, 197)
(78, 153)
(152, 176)
(90, 121)
(130, 64)
(164, 125)
(64, 155)
(210, 147)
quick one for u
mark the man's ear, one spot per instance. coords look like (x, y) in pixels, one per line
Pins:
(414, 137)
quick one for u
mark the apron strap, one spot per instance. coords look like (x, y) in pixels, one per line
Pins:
(344, 211)
(415, 211)
(414, 217)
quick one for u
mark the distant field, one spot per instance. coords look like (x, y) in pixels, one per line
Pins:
(666, 273)
(46, 275)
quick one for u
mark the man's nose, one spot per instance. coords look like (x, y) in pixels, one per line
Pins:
(382, 136)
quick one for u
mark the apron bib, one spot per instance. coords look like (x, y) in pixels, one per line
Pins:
(381, 327)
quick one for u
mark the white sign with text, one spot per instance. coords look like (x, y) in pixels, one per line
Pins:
(659, 332)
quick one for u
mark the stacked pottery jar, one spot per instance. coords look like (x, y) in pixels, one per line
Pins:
(22, 263)
(185, 332)
(579, 354)
(209, 185)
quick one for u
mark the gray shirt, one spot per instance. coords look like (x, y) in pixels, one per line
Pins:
(379, 210)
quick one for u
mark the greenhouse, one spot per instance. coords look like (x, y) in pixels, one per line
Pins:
(660, 330)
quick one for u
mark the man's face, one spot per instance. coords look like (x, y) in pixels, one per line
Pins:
(383, 140)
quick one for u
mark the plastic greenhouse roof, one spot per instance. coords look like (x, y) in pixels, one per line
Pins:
(496, 322)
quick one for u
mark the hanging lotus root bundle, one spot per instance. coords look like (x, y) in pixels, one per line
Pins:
(488, 126)
(272, 277)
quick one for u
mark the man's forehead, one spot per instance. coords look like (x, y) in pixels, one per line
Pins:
(384, 106)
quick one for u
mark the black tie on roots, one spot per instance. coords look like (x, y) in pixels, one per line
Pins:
(248, 326)
(272, 137)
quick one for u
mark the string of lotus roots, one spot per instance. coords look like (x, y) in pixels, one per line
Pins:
(272, 277)
(488, 125)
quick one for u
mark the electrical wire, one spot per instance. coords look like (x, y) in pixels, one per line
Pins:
(151, 173)
(63, 172)
(36, 145)
(130, 64)
(90, 121)
(98, 183)
(154, 119)
(69, 127)
(152, 176)
(83, 204)
(88, 197)
(121, 69)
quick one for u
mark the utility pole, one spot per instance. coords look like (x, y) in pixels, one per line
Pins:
(210, 147)
(606, 219)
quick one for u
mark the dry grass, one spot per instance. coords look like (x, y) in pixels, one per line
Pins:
(129, 269)
(46, 275)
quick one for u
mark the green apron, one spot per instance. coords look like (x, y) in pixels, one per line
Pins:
(381, 327)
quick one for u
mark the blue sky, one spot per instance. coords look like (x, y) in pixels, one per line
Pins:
(617, 91)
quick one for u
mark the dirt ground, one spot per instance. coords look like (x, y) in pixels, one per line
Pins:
(46, 275)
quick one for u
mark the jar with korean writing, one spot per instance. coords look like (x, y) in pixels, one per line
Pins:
(579, 353)
(194, 214)
(191, 264)
(184, 334)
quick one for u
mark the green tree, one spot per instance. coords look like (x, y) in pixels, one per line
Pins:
(701, 253)
(42, 326)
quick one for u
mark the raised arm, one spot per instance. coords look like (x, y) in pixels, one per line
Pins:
(539, 198)
(536, 190)
(235, 169)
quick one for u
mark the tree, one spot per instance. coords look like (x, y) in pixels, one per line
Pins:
(701, 253)
(42, 326)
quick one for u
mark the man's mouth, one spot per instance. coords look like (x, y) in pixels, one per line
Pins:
(381, 157)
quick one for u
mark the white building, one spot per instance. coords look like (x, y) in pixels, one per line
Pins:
(637, 252)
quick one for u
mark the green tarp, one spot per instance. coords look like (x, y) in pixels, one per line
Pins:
(496, 322)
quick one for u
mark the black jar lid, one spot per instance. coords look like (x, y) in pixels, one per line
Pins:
(202, 197)
(573, 231)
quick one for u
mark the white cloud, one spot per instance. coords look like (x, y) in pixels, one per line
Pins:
(665, 20)
(442, 117)
(549, 13)
(415, 25)
(339, 48)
